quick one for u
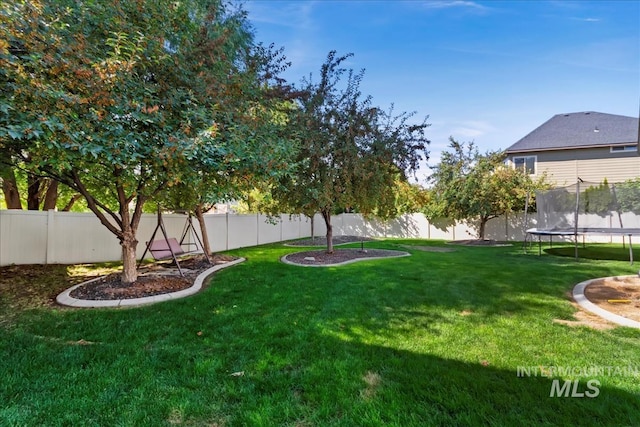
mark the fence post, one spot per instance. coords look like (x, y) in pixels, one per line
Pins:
(49, 256)
(227, 230)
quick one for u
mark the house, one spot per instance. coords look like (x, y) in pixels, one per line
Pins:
(588, 145)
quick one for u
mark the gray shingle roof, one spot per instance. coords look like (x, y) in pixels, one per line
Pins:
(579, 130)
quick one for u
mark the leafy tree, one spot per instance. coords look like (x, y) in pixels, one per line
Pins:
(628, 195)
(350, 152)
(110, 98)
(248, 145)
(468, 185)
(410, 198)
(598, 199)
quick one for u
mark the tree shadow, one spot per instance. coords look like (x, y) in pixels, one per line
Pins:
(423, 389)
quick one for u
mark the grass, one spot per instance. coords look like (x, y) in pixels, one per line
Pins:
(432, 339)
(598, 251)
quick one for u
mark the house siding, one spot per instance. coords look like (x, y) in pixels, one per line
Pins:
(573, 145)
(563, 167)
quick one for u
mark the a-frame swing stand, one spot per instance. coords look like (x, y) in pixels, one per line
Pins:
(169, 247)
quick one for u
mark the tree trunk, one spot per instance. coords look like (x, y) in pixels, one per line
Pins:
(33, 192)
(51, 196)
(203, 232)
(313, 232)
(327, 220)
(129, 258)
(10, 188)
(483, 226)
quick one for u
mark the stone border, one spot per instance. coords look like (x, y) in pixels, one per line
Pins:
(351, 261)
(581, 299)
(65, 297)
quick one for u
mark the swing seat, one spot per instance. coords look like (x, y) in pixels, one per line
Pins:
(161, 249)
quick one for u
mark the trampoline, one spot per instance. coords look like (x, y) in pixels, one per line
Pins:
(588, 209)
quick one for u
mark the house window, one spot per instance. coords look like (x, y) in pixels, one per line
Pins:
(623, 148)
(525, 163)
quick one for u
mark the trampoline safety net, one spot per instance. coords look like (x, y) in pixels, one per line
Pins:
(590, 208)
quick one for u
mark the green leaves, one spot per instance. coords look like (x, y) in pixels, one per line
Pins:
(351, 153)
(113, 100)
(468, 185)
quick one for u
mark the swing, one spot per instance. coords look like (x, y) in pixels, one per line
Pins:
(169, 247)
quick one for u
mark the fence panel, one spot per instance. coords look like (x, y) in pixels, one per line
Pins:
(319, 227)
(32, 237)
(23, 237)
(81, 238)
(269, 230)
(441, 229)
(243, 231)
(295, 226)
(411, 226)
(217, 231)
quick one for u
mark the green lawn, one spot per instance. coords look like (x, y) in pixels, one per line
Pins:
(437, 338)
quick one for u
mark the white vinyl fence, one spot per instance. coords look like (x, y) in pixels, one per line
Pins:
(35, 237)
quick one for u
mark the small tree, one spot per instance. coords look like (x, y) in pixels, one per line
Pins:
(468, 185)
(351, 152)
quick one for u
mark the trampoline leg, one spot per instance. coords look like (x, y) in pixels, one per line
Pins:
(539, 245)
(630, 250)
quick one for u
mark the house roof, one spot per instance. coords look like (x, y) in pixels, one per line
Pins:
(587, 129)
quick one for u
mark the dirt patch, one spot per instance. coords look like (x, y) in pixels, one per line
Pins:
(339, 256)
(585, 318)
(618, 295)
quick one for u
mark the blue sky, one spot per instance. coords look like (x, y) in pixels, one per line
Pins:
(483, 71)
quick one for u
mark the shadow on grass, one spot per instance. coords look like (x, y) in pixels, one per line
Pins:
(595, 252)
(321, 381)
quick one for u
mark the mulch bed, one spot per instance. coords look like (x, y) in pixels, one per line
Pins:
(156, 279)
(321, 257)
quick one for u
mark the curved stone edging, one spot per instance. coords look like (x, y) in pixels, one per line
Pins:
(65, 297)
(581, 299)
(351, 261)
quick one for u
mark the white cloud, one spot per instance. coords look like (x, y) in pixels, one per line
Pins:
(471, 129)
(454, 3)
